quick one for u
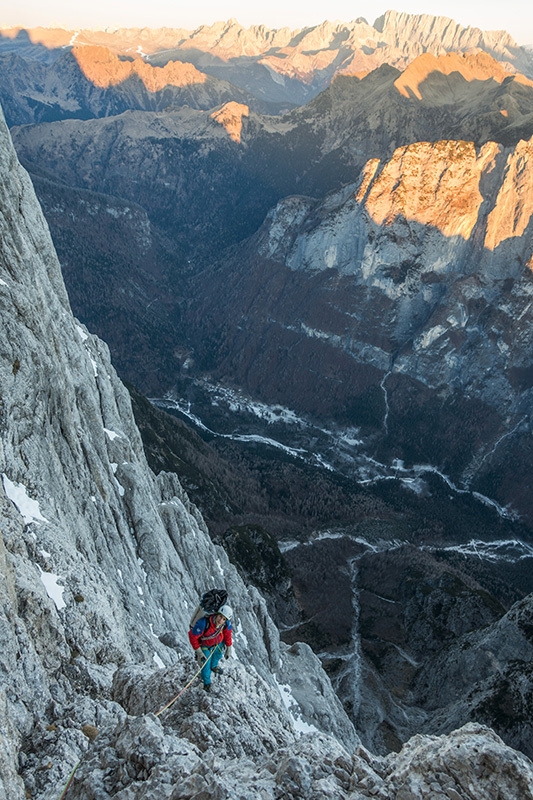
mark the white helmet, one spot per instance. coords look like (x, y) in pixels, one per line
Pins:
(226, 611)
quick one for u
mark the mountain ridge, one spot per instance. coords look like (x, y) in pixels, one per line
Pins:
(285, 67)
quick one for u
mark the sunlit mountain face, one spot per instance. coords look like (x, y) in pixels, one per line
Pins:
(315, 249)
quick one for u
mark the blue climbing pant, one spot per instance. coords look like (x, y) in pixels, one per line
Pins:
(218, 652)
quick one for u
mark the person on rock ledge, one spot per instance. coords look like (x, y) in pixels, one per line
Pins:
(211, 638)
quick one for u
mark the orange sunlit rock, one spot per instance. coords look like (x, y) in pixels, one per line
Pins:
(133, 41)
(357, 74)
(432, 183)
(360, 63)
(11, 33)
(104, 69)
(230, 117)
(101, 66)
(49, 37)
(513, 210)
(472, 67)
(175, 73)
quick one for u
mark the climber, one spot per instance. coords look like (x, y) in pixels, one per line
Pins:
(211, 638)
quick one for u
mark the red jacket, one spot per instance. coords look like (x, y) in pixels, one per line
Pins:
(206, 634)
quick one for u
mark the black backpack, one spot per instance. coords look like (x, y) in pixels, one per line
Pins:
(210, 602)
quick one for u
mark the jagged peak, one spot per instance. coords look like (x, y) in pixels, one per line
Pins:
(420, 27)
(398, 19)
(415, 27)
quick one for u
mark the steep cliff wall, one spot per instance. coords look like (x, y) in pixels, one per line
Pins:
(431, 232)
(414, 285)
(99, 557)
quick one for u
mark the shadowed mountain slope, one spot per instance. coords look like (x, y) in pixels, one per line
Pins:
(92, 82)
(207, 183)
(283, 67)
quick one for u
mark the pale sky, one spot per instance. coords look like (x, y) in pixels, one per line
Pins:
(514, 16)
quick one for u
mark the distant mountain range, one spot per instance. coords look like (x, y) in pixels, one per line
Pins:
(269, 69)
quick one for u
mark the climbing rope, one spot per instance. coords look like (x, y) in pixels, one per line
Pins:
(189, 684)
(157, 713)
(71, 776)
(68, 783)
(208, 658)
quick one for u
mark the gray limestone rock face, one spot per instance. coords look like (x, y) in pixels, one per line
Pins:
(487, 677)
(461, 765)
(99, 557)
(479, 655)
(301, 685)
(143, 757)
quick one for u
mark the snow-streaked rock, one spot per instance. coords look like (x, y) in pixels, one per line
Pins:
(99, 557)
